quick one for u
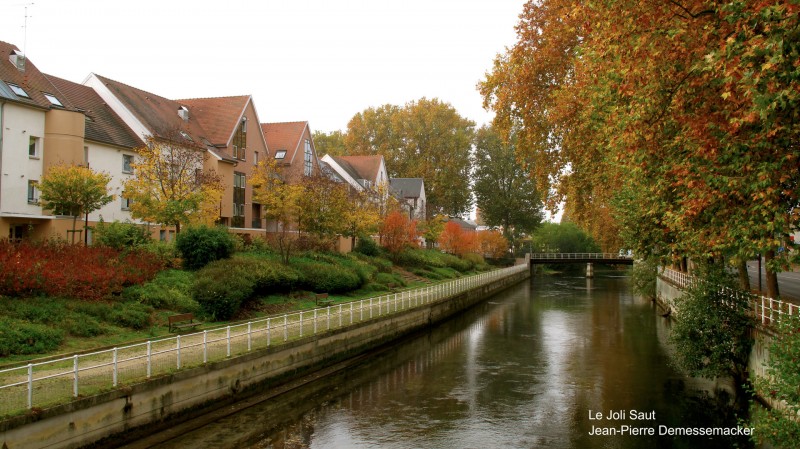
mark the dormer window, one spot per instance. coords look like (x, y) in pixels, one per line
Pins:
(18, 90)
(53, 100)
(186, 136)
(280, 154)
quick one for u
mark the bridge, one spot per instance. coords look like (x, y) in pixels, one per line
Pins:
(588, 258)
(564, 258)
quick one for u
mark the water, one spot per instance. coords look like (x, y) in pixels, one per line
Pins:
(526, 369)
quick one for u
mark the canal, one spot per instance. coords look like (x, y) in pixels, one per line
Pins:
(556, 361)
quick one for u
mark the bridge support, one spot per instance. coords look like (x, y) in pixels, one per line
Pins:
(589, 270)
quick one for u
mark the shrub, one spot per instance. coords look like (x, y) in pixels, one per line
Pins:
(131, 314)
(59, 269)
(389, 280)
(366, 246)
(476, 261)
(22, 337)
(170, 289)
(121, 235)
(202, 244)
(321, 277)
(221, 295)
(165, 252)
(80, 325)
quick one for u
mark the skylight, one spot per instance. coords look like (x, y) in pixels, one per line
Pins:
(280, 154)
(18, 90)
(52, 99)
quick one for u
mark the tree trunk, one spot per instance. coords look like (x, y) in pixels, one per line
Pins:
(744, 278)
(771, 276)
(177, 227)
(74, 224)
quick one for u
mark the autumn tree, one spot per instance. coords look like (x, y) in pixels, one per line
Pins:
(398, 232)
(171, 187)
(424, 139)
(281, 202)
(491, 244)
(331, 143)
(432, 229)
(74, 190)
(455, 240)
(505, 194)
(671, 123)
(361, 217)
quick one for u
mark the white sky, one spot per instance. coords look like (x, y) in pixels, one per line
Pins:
(316, 60)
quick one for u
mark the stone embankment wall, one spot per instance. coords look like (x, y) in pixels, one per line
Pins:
(88, 420)
(667, 293)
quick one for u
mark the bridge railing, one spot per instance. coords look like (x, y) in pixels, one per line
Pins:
(61, 380)
(767, 311)
(578, 256)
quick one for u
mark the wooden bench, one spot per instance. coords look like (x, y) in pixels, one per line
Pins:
(182, 321)
(322, 300)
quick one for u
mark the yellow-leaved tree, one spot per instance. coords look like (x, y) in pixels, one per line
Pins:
(281, 202)
(170, 186)
(74, 190)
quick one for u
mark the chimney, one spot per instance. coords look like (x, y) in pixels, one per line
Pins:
(183, 112)
(18, 59)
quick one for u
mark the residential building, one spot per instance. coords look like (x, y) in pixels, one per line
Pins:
(39, 128)
(293, 148)
(361, 172)
(411, 194)
(218, 126)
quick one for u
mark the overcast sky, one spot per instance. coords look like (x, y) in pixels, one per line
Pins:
(316, 60)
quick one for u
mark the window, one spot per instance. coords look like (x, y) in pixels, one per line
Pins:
(33, 192)
(280, 154)
(127, 163)
(34, 147)
(239, 184)
(307, 159)
(240, 140)
(86, 156)
(18, 90)
(126, 202)
(52, 99)
(255, 157)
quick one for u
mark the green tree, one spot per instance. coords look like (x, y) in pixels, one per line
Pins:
(562, 237)
(330, 143)
(170, 186)
(74, 190)
(676, 118)
(424, 139)
(504, 192)
(281, 202)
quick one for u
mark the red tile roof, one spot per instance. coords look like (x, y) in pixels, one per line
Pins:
(102, 124)
(158, 114)
(31, 80)
(219, 117)
(367, 167)
(284, 136)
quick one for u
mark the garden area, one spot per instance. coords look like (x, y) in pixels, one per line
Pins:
(60, 298)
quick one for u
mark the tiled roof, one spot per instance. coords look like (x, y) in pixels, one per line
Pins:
(284, 136)
(102, 124)
(158, 114)
(219, 117)
(365, 167)
(31, 80)
(407, 187)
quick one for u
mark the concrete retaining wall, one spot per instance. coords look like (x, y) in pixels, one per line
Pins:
(91, 419)
(759, 355)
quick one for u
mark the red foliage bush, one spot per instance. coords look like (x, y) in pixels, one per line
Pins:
(59, 269)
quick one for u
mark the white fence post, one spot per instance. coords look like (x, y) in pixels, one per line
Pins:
(285, 327)
(149, 359)
(75, 369)
(30, 385)
(229, 340)
(205, 347)
(115, 367)
(178, 352)
(269, 335)
(249, 338)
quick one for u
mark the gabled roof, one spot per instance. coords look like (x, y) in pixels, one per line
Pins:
(158, 114)
(407, 187)
(31, 80)
(362, 167)
(284, 136)
(102, 124)
(219, 117)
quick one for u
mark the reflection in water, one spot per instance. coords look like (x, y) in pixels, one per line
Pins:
(524, 369)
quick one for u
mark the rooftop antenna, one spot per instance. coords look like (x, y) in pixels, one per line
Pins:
(25, 28)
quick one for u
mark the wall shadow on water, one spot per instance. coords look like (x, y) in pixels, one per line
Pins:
(525, 368)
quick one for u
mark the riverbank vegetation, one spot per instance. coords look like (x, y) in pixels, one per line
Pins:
(58, 297)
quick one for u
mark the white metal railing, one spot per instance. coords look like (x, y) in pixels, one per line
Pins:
(766, 310)
(580, 256)
(58, 381)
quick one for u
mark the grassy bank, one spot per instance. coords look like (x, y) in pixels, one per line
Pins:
(252, 283)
